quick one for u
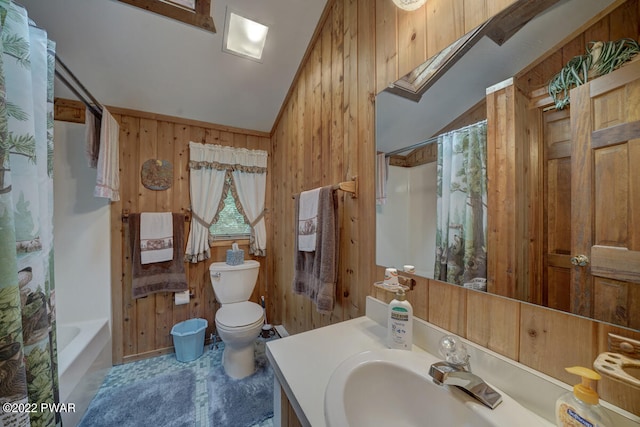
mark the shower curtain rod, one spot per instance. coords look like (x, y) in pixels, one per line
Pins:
(95, 107)
(428, 140)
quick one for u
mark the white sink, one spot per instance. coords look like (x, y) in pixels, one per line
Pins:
(393, 387)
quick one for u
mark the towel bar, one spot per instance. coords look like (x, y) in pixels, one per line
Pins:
(126, 213)
(348, 186)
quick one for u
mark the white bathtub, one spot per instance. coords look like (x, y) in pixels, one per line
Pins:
(84, 358)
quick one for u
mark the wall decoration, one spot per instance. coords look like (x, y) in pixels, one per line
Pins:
(157, 174)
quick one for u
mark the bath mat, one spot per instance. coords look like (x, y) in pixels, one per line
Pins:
(166, 400)
(241, 403)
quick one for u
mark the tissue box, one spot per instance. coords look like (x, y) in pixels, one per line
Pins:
(235, 257)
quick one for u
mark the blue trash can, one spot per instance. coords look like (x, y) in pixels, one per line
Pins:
(188, 339)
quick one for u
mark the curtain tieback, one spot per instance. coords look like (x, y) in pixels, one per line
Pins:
(200, 220)
(257, 220)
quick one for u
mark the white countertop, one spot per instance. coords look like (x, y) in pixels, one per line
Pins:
(303, 364)
(305, 361)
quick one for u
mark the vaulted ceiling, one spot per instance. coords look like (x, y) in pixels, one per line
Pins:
(131, 58)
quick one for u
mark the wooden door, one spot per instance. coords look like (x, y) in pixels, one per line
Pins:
(557, 203)
(605, 191)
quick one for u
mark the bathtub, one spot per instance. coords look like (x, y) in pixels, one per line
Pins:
(84, 358)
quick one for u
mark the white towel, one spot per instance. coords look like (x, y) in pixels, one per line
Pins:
(108, 178)
(156, 237)
(308, 220)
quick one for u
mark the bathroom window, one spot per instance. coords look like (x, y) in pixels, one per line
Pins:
(231, 223)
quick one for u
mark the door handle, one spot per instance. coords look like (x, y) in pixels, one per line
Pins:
(580, 260)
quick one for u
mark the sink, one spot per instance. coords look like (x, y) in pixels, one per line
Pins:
(392, 387)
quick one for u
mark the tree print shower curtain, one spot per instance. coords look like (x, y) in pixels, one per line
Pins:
(28, 359)
(461, 251)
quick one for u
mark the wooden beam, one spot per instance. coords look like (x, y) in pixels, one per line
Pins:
(200, 17)
(68, 110)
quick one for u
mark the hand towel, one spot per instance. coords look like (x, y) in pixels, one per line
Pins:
(316, 273)
(108, 177)
(92, 136)
(156, 237)
(308, 220)
(168, 276)
(382, 168)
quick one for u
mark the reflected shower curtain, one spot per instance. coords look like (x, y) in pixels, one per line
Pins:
(28, 359)
(461, 252)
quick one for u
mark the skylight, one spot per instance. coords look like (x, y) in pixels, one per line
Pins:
(244, 37)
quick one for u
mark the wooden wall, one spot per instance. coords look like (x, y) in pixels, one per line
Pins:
(142, 327)
(324, 135)
(405, 40)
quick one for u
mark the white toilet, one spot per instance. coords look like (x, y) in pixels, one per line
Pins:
(238, 321)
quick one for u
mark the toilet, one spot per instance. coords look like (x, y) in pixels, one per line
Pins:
(238, 320)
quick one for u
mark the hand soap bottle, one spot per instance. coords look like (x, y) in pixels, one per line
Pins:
(581, 408)
(400, 322)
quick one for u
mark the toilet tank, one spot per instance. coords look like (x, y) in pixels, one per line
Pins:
(233, 283)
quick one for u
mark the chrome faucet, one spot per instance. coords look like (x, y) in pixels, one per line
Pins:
(456, 370)
(445, 373)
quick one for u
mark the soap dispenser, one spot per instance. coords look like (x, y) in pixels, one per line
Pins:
(400, 322)
(581, 408)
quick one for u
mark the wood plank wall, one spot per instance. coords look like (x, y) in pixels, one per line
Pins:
(324, 136)
(141, 327)
(543, 339)
(405, 40)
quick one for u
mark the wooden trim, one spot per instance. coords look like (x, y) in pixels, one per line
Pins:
(614, 134)
(183, 121)
(200, 18)
(69, 110)
(558, 46)
(615, 263)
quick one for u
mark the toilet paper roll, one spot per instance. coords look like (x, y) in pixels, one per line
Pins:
(391, 276)
(181, 297)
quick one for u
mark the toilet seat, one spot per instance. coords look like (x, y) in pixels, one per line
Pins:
(239, 315)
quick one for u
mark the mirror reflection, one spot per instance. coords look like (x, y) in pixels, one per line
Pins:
(407, 129)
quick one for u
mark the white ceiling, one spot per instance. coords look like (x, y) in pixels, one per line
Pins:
(131, 58)
(401, 122)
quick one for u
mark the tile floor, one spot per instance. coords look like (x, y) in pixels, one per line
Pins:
(144, 369)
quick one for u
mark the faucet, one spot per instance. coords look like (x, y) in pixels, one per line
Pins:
(456, 370)
(445, 373)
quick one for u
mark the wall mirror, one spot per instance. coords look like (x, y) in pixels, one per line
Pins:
(405, 225)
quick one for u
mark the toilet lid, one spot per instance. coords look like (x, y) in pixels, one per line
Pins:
(239, 314)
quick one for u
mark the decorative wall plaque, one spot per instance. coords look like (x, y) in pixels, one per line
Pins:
(157, 174)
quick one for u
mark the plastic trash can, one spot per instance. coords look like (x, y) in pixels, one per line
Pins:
(188, 339)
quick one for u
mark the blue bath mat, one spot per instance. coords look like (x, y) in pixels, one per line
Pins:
(166, 400)
(241, 403)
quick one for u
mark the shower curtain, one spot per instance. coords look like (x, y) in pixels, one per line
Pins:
(461, 252)
(28, 360)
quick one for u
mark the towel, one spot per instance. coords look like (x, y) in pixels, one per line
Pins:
(92, 136)
(156, 237)
(168, 276)
(316, 272)
(108, 177)
(382, 168)
(308, 220)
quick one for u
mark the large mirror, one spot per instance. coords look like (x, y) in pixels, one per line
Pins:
(406, 222)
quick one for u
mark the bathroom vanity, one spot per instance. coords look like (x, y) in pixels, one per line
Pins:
(303, 365)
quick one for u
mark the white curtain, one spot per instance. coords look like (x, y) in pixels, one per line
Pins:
(250, 188)
(208, 167)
